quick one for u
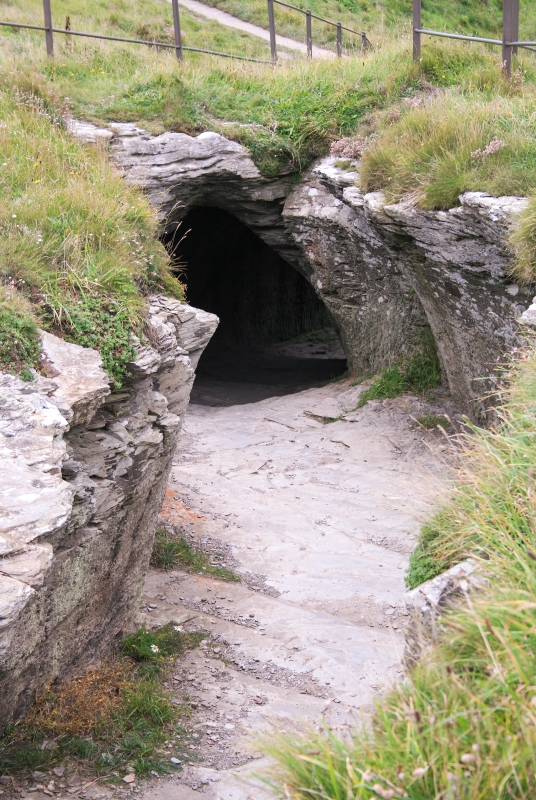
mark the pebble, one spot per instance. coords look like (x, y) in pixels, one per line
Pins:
(129, 778)
(175, 761)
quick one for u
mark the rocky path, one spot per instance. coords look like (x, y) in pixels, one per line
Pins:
(234, 22)
(319, 519)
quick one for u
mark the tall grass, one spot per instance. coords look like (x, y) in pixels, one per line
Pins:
(463, 723)
(78, 247)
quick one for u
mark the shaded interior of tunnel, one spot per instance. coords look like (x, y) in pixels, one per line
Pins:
(275, 335)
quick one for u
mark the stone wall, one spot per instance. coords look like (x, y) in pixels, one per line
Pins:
(382, 267)
(382, 270)
(83, 473)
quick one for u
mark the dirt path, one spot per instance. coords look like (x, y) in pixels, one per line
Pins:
(319, 520)
(233, 22)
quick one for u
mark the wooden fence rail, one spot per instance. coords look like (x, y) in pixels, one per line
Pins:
(309, 16)
(510, 34)
(177, 46)
(509, 43)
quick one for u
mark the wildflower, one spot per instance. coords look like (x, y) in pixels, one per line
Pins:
(177, 628)
(419, 772)
(155, 649)
(37, 181)
(13, 216)
(468, 758)
(494, 146)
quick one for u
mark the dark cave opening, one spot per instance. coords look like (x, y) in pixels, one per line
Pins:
(275, 335)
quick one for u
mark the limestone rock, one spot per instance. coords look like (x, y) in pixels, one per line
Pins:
(427, 602)
(82, 477)
(81, 381)
(528, 317)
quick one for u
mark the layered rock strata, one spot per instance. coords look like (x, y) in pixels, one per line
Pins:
(383, 270)
(83, 474)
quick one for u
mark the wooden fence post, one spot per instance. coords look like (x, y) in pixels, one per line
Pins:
(177, 29)
(339, 40)
(49, 36)
(508, 35)
(416, 36)
(271, 25)
(309, 33)
(515, 26)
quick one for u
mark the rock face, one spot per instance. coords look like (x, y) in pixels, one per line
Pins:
(384, 271)
(83, 476)
(427, 603)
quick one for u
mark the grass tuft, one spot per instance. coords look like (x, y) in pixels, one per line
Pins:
(170, 551)
(20, 343)
(114, 718)
(77, 246)
(418, 374)
(431, 421)
(159, 643)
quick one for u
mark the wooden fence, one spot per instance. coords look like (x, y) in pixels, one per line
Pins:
(309, 16)
(510, 41)
(510, 34)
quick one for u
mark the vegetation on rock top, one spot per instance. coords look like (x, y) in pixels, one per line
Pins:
(428, 132)
(77, 248)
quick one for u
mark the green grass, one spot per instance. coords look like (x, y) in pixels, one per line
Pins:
(81, 252)
(112, 721)
(78, 248)
(431, 421)
(418, 374)
(477, 17)
(170, 551)
(159, 643)
(462, 724)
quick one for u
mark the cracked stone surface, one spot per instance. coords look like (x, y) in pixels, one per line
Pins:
(83, 472)
(324, 517)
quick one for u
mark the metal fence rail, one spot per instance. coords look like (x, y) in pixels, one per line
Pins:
(309, 16)
(178, 46)
(509, 41)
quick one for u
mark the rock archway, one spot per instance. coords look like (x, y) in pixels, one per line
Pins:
(383, 270)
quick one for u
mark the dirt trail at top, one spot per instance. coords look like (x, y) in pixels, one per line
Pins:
(239, 24)
(319, 519)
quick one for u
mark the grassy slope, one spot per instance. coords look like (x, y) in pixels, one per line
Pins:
(476, 17)
(463, 723)
(77, 246)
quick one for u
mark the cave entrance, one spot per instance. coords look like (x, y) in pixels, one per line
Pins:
(275, 335)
